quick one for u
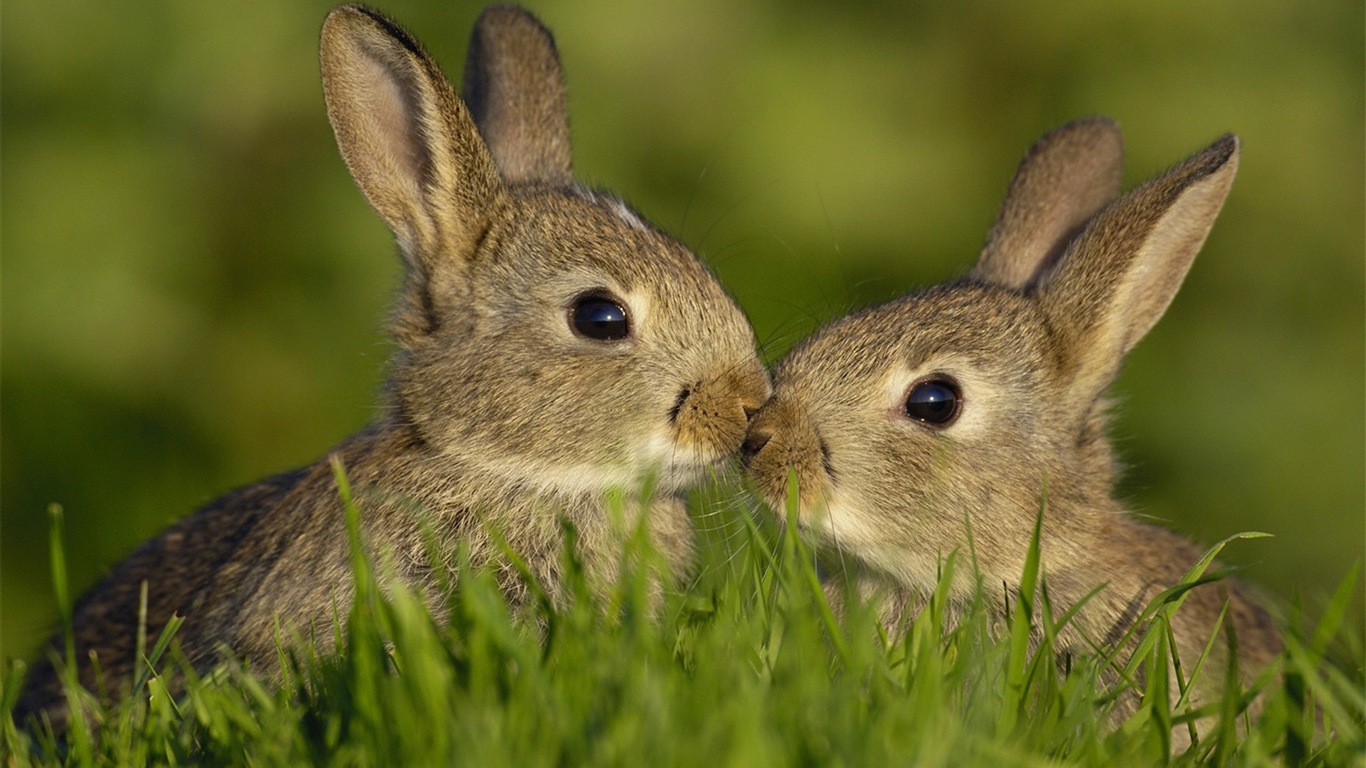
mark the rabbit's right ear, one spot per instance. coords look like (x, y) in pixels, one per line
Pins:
(407, 139)
(1067, 177)
(515, 89)
(1117, 277)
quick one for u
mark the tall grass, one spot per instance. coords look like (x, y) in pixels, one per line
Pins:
(747, 666)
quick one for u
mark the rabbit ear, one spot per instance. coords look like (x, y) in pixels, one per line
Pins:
(1067, 177)
(1118, 277)
(515, 89)
(406, 137)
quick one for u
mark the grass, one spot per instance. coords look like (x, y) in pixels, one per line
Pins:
(748, 666)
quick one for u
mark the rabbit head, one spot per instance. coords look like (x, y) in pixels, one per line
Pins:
(980, 400)
(547, 335)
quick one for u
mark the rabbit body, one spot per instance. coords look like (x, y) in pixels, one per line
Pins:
(551, 347)
(972, 405)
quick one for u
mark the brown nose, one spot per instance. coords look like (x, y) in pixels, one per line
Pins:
(754, 443)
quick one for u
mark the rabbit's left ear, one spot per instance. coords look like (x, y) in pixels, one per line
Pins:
(1067, 177)
(514, 87)
(406, 137)
(1117, 278)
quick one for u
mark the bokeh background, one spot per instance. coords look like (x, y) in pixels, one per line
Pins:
(194, 292)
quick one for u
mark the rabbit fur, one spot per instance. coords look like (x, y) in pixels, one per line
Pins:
(497, 413)
(1071, 277)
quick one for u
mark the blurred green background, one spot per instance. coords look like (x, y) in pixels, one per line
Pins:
(194, 292)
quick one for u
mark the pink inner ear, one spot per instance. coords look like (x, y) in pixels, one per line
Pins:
(390, 109)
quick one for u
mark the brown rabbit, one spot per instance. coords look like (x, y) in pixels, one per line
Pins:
(551, 346)
(981, 400)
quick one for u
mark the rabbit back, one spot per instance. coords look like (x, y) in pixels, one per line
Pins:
(203, 569)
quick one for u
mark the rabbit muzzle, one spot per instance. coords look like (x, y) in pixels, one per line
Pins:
(782, 440)
(710, 418)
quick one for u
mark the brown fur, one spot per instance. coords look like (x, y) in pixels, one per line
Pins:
(1071, 278)
(497, 415)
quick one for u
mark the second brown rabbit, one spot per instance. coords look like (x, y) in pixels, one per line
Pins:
(978, 402)
(551, 347)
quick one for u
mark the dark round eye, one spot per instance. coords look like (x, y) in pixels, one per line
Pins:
(934, 402)
(598, 317)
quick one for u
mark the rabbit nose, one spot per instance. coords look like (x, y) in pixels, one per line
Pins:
(754, 443)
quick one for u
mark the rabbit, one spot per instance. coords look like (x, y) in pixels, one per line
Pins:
(551, 347)
(978, 402)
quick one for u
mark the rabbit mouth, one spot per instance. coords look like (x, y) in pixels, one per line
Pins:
(675, 468)
(815, 484)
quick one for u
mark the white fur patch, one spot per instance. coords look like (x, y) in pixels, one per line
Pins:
(851, 531)
(672, 467)
(627, 215)
(568, 480)
(675, 466)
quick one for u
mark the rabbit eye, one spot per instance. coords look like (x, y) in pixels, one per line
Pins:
(599, 317)
(934, 402)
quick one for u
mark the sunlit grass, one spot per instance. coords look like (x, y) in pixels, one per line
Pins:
(749, 666)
